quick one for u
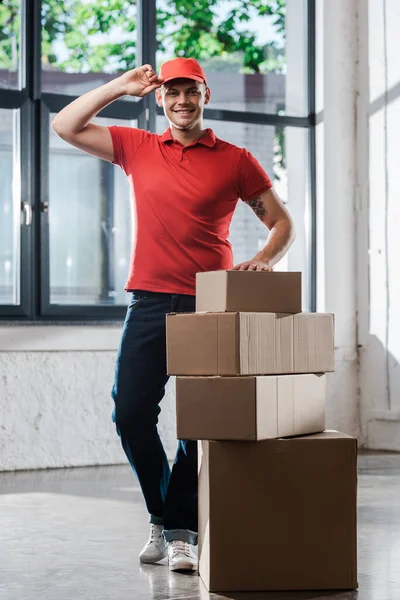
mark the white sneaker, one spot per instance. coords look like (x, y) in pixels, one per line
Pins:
(181, 557)
(156, 548)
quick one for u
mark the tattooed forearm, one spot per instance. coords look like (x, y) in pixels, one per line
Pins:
(258, 206)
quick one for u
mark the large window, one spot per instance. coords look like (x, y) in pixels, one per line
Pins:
(254, 53)
(9, 207)
(85, 44)
(67, 223)
(90, 239)
(10, 44)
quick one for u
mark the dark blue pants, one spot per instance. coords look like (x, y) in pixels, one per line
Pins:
(140, 379)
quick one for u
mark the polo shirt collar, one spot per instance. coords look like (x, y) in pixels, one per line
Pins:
(208, 139)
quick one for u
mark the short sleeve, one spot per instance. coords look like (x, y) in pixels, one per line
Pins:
(252, 179)
(126, 141)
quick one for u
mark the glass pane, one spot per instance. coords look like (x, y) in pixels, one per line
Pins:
(283, 153)
(10, 27)
(90, 226)
(10, 202)
(86, 44)
(254, 53)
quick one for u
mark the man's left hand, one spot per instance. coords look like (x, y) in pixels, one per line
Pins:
(253, 265)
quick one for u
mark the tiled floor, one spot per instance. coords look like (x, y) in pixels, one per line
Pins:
(75, 534)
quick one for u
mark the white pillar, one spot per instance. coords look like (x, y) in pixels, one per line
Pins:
(379, 224)
(337, 272)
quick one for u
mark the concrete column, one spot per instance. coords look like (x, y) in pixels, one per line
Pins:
(337, 270)
(378, 225)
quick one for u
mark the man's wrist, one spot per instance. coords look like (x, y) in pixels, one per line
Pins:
(117, 88)
(262, 258)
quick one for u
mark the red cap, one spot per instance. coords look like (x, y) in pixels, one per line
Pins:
(182, 68)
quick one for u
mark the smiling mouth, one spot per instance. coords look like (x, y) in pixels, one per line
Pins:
(183, 112)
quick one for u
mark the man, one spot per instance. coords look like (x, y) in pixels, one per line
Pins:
(185, 186)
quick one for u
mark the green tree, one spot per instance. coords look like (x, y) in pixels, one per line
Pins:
(97, 36)
(88, 32)
(83, 28)
(9, 34)
(193, 28)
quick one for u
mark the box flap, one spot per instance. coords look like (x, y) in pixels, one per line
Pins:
(301, 404)
(285, 395)
(283, 343)
(192, 344)
(267, 407)
(265, 291)
(219, 408)
(314, 343)
(204, 513)
(257, 343)
(211, 288)
(328, 434)
(309, 395)
(227, 336)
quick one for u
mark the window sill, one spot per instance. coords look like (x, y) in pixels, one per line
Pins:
(60, 338)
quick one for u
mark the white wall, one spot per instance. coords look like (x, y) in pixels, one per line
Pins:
(55, 403)
(359, 214)
(336, 180)
(379, 224)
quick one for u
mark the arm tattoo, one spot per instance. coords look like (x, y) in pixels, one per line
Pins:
(258, 206)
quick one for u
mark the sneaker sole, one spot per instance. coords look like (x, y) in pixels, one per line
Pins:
(150, 561)
(183, 567)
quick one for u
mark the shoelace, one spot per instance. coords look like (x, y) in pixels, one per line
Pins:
(180, 547)
(155, 533)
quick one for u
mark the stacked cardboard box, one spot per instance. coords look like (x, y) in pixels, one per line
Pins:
(277, 493)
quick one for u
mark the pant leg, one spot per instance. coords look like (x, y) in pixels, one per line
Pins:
(180, 511)
(140, 379)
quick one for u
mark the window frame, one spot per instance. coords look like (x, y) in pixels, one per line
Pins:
(35, 108)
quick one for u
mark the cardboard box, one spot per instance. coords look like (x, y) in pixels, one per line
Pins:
(278, 514)
(249, 343)
(249, 408)
(248, 291)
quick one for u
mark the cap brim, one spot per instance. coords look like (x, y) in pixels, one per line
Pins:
(194, 77)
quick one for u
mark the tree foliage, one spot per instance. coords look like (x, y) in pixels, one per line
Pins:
(194, 29)
(97, 35)
(9, 33)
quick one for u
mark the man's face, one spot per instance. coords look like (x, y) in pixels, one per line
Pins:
(183, 101)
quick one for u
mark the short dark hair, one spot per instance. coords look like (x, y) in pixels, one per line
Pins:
(165, 85)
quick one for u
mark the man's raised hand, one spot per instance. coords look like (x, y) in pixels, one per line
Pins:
(140, 81)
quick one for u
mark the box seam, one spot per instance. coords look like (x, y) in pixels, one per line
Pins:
(237, 345)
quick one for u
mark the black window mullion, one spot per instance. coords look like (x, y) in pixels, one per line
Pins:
(10, 312)
(27, 156)
(120, 109)
(42, 213)
(72, 312)
(12, 98)
(34, 84)
(31, 47)
(146, 54)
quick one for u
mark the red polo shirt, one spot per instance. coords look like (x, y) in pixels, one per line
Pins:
(184, 198)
